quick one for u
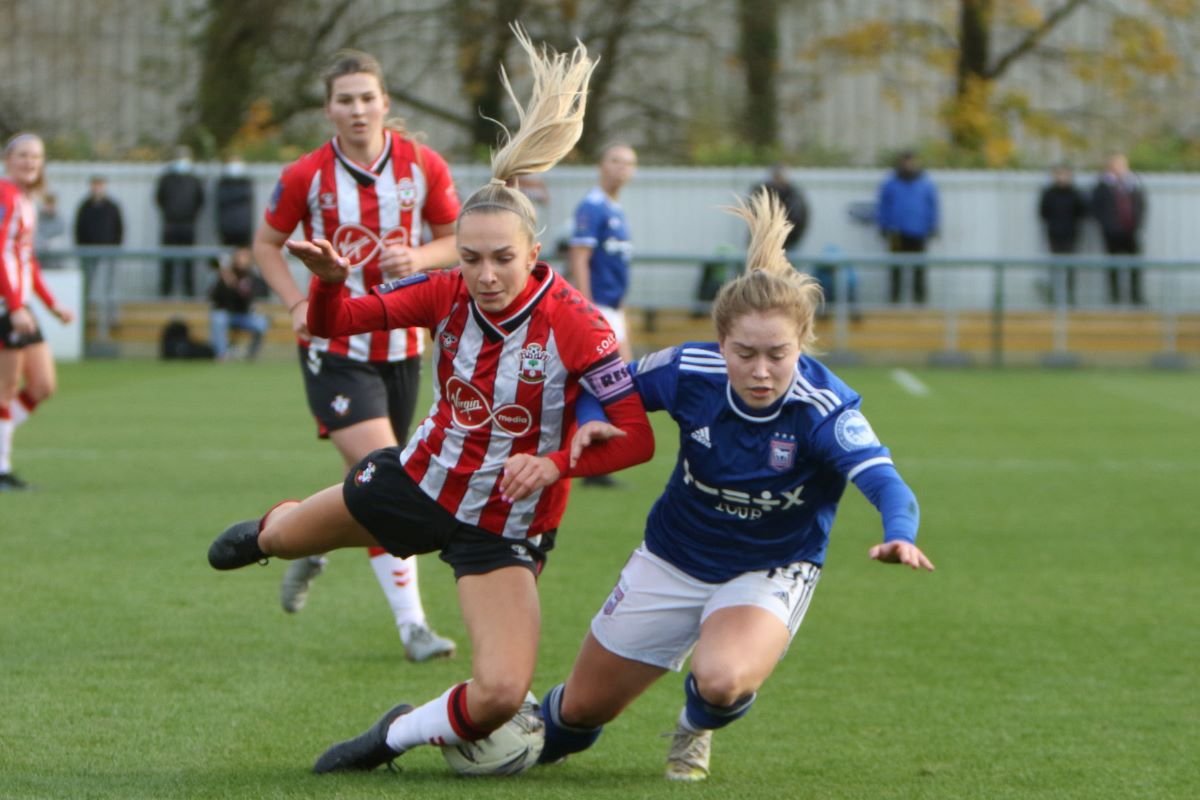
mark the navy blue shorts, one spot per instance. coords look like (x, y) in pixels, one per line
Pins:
(392, 507)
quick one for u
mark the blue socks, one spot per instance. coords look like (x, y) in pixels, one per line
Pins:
(562, 739)
(702, 715)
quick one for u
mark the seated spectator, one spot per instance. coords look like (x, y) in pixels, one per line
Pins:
(232, 297)
(833, 260)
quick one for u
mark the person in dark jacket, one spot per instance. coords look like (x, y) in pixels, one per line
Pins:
(98, 221)
(795, 206)
(1062, 208)
(1119, 204)
(235, 204)
(179, 196)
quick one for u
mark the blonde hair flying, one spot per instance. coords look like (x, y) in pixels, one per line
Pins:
(548, 127)
(770, 283)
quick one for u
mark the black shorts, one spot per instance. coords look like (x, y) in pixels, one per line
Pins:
(11, 340)
(343, 392)
(391, 506)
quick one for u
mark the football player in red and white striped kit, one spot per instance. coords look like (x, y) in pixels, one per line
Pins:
(27, 375)
(370, 191)
(484, 480)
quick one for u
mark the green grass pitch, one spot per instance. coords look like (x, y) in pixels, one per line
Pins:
(1055, 653)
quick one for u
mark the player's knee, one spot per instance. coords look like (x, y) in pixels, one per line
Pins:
(41, 389)
(725, 686)
(709, 713)
(497, 698)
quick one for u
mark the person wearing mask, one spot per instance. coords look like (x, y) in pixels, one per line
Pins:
(179, 196)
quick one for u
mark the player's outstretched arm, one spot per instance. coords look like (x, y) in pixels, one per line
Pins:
(897, 552)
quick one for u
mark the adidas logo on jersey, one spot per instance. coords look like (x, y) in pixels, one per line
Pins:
(701, 436)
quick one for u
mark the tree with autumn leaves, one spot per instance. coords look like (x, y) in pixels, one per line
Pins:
(1128, 60)
(1114, 66)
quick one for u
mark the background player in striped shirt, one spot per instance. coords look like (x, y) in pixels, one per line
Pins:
(371, 191)
(27, 375)
(768, 438)
(484, 478)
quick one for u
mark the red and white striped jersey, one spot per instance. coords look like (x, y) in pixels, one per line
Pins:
(360, 209)
(19, 270)
(503, 387)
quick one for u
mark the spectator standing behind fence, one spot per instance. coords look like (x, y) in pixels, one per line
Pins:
(1062, 208)
(233, 295)
(908, 219)
(98, 221)
(179, 197)
(235, 204)
(1119, 203)
(50, 229)
(795, 205)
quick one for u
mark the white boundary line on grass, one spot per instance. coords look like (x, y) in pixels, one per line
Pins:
(910, 383)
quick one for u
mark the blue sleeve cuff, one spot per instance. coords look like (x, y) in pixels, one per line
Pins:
(588, 409)
(897, 504)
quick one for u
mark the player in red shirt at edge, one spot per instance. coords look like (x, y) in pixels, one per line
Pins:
(27, 375)
(484, 480)
(370, 191)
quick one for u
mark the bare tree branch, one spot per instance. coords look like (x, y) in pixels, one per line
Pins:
(1033, 38)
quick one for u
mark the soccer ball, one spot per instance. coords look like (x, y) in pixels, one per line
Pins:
(510, 749)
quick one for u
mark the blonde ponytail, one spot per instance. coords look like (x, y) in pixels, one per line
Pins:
(547, 128)
(770, 283)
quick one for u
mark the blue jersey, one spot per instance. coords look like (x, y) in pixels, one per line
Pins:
(753, 489)
(601, 225)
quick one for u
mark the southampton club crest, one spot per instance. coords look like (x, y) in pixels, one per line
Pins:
(406, 193)
(340, 405)
(533, 363)
(364, 475)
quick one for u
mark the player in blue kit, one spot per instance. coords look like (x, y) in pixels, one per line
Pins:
(600, 246)
(733, 549)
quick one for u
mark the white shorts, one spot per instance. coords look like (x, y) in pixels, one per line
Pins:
(616, 320)
(655, 611)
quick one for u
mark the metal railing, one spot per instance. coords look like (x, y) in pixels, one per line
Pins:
(960, 287)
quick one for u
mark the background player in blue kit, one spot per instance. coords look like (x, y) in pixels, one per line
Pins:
(600, 250)
(768, 438)
(600, 246)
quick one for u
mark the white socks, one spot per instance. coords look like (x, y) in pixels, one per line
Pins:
(6, 435)
(398, 579)
(427, 724)
(18, 411)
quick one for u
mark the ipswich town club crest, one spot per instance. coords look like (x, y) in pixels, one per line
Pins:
(783, 454)
(533, 363)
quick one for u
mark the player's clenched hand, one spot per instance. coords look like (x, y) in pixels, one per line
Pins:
(321, 259)
(399, 261)
(22, 321)
(524, 474)
(901, 553)
(590, 433)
